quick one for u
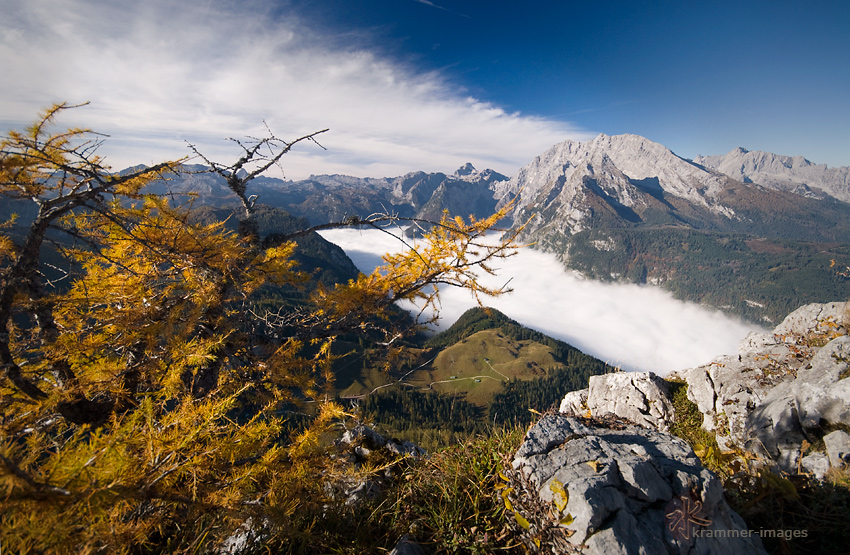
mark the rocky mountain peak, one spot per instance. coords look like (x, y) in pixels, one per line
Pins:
(464, 170)
(784, 173)
(609, 178)
(636, 157)
(469, 174)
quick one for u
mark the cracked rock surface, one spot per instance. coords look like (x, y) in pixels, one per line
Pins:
(641, 397)
(783, 387)
(631, 489)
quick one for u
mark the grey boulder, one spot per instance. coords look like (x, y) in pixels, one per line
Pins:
(640, 397)
(407, 546)
(631, 489)
(838, 448)
(816, 464)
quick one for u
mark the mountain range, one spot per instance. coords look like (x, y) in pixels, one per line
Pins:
(626, 208)
(330, 198)
(788, 173)
(629, 181)
(751, 233)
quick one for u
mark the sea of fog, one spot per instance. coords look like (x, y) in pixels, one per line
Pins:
(635, 327)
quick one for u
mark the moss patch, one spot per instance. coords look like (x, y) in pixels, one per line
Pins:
(687, 424)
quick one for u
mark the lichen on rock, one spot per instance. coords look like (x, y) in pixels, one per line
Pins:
(630, 489)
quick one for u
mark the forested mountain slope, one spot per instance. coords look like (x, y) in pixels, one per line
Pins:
(485, 368)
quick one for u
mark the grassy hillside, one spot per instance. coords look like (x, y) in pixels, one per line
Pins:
(481, 364)
(476, 367)
(485, 368)
(475, 357)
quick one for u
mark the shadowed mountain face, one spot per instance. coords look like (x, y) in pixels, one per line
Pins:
(330, 198)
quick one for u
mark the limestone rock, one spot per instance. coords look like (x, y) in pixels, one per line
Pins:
(640, 397)
(817, 464)
(405, 448)
(356, 446)
(574, 403)
(364, 489)
(822, 388)
(246, 539)
(729, 388)
(782, 388)
(361, 434)
(776, 430)
(631, 489)
(838, 448)
(813, 318)
(798, 408)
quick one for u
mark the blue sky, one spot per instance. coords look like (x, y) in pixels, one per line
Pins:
(418, 85)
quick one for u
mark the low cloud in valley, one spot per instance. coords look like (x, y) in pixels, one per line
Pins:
(635, 327)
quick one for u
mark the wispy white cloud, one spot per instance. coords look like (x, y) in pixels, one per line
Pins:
(634, 327)
(159, 72)
(433, 5)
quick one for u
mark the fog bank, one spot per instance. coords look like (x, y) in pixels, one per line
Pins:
(638, 328)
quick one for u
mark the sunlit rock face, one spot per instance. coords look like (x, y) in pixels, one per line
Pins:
(783, 388)
(640, 397)
(623, 488)
(787, 173)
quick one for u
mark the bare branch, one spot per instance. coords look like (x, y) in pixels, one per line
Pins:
(277, 149)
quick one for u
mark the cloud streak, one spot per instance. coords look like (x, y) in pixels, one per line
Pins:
(639, 328)
(159, 73)
(433, 5)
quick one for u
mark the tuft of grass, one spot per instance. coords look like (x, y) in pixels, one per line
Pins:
(688, 426)
(448, 502)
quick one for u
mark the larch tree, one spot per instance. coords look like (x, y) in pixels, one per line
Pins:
(139, 400)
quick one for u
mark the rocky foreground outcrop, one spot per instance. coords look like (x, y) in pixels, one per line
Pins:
(620, 488)
(621, 484)
(779, 398)
(783, 393)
